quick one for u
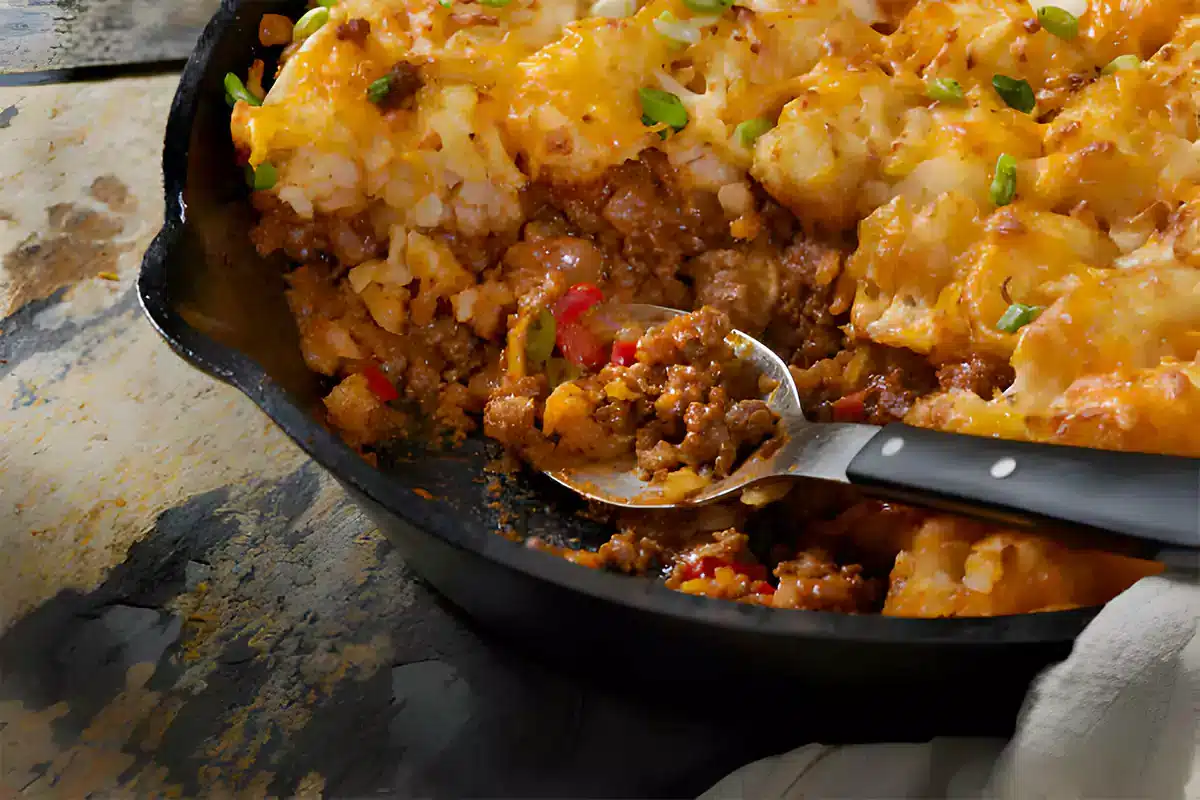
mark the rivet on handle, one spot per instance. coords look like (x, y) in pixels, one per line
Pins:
(1004, 467)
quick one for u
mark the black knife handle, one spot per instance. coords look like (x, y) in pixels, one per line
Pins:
(1146, 496)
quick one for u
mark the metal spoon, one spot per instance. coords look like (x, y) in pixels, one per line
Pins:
(1143, 495)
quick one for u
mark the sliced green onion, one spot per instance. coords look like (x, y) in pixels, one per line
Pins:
(379, 89)
(747, 133)
(229, 101)
(237, 90)
(1059, 22)
(1004, 183)
(613, 9)
(310, 23)
(1121, 64)
(944, 90)
(708, 6)
(539, 338)
(1016, 93)
(327, 3)
(671, 27)
(444, 3)
(662, 107)
(495, 3)
(262, 178)
(1017, 316)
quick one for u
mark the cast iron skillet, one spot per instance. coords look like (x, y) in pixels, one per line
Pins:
(221, 308)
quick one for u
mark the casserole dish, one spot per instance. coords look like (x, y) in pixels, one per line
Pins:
(221, 307)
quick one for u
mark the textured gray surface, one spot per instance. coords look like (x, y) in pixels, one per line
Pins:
(63, 34)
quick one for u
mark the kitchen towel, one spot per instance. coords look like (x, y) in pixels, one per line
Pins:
(1119, 718)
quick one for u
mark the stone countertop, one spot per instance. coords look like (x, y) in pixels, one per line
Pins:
(39, 35)
(188, 605)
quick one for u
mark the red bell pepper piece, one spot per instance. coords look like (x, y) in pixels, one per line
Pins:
(578, 299)
(755, 572)
(624, 353)
(580, 346)
(850, 408)
(379, 385)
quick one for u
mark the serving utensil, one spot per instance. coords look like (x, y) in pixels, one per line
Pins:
(1140, 495)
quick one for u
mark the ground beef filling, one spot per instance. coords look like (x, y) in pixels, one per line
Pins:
(405, 356)
(686, 402)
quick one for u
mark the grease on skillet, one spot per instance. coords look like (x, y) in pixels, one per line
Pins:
(434, 237)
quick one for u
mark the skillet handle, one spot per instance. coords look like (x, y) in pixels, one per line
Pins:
(1151, 497)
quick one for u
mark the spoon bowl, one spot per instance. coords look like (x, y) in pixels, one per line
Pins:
(800, 448)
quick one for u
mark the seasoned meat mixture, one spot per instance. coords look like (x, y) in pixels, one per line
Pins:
(676, 396)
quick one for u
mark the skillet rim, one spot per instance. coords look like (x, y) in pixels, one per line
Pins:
(433, 519)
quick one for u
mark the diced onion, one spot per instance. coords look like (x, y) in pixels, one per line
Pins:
(676, 88)
(362, 275)
(676, 29)
(736, 198)
(427, 213)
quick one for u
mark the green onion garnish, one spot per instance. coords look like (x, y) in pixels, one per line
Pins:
(944, 90)
(495, 3)
(1015, 93)
(444, 3)
(1004, 183)
(328, 3)
(379, 89)
(662, 107)
(1121, 64)
(708, 6)
(229, 101)
(747, 133)
(262, 178)
(1017, 316)
(539, 338)
(613, 9)
(237, 90)
(310, 23)
(1062, 24)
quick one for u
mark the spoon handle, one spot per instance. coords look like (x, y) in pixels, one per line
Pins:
(1151, 497)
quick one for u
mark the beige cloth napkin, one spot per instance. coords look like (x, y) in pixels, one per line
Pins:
(1120, 718)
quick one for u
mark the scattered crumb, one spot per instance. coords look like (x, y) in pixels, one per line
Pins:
(419, 492)
(108, 276)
